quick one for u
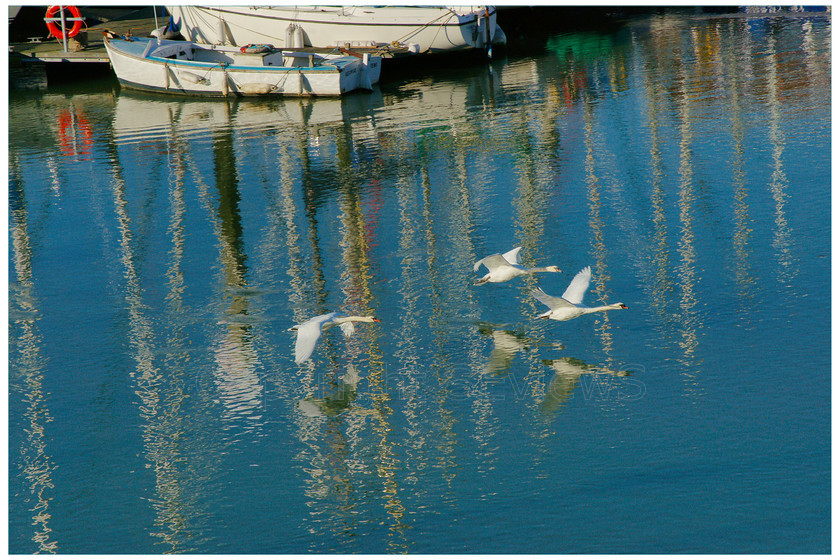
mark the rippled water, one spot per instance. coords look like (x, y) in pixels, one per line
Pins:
(160, 248)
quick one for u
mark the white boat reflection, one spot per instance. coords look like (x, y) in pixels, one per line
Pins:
(142, 118)
(412, 105)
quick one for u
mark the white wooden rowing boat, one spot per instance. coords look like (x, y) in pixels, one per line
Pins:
(211, 70)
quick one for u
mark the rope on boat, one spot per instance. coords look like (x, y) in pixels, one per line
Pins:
(278, 85)
(448, 16)
(200, 15)
(411, 33)
(220, 17)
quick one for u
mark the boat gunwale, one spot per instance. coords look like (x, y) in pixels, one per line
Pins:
(220, 66)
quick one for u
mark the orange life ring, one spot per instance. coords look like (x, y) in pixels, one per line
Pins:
(75, 136)
(56, 30)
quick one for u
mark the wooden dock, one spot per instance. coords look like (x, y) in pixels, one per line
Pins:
(87, 46)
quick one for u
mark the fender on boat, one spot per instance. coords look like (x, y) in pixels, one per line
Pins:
(257, 88)
(191, 77)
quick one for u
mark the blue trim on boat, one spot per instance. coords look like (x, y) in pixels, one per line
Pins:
(210, 66)
(137, 47)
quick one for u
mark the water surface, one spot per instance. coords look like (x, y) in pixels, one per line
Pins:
(160, 248)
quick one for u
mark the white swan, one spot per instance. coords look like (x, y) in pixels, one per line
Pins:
(569, 306)
(502, 268)
(309, 331)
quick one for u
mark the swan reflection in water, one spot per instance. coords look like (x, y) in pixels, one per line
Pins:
(506, 344)
(567, 372)
(336, 401)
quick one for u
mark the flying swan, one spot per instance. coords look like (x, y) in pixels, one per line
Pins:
(502, 268)
(569, 306)
(309, 331)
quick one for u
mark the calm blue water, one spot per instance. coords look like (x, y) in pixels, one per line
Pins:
(160, 248)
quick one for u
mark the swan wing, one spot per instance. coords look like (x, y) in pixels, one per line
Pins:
(578, 286)
(492, 262)
(512, 256)
(551, 301)
(308, 334)
(347, 328)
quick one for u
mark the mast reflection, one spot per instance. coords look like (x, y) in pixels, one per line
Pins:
(783, 239)
(462, 254)
(358, 232)
(442, 375)
(596, 228)
(26, 369)
(742, 223)
(409, 340)
(161, 395)
(237, 376)
(686, 270)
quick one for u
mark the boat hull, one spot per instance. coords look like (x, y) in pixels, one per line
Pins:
(149, 65)
(423, 29)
